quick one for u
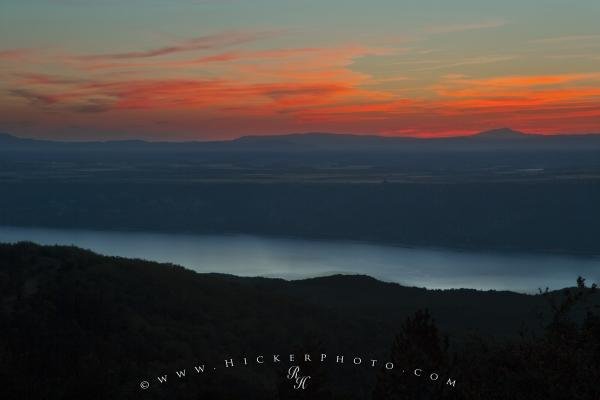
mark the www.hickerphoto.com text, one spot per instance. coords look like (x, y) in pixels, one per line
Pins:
(294, 359)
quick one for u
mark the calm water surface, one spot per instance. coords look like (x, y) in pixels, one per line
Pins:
(296, 258)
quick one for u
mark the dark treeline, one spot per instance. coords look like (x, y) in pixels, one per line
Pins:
(74, 324)
(556, 215)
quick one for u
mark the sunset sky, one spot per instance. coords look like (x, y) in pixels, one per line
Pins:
(219, 69)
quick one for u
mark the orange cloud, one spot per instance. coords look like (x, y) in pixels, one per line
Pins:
(237, 91)
(461, 86)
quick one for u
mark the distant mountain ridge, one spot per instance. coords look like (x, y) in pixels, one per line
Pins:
(503, 134)
(500, 138)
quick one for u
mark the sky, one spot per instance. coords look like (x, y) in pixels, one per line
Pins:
(220, 69)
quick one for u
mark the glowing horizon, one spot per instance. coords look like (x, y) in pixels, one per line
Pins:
(208, 69)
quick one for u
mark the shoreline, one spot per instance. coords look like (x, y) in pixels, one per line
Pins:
(509, 250)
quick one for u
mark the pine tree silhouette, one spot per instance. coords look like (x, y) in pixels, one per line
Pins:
(419, 345)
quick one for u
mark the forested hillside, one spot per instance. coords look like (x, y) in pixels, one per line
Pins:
(76, 324)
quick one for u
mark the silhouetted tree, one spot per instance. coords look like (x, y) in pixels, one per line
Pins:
(419, 345)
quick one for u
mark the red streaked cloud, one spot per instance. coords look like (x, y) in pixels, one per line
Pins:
(223, 57)
(13, 54)
(236, 83)
(208, 42)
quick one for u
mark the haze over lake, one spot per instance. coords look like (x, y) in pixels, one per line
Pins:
(244, 255)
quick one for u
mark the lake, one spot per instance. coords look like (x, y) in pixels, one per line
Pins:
(244, 255)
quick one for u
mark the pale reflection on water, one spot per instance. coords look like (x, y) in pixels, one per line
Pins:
(295, 259)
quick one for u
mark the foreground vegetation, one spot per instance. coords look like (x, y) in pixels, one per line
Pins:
(74, 324)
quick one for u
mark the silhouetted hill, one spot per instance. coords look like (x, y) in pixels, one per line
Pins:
(496, 139)
(7, 138)
(74, 324)
(501, 134)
